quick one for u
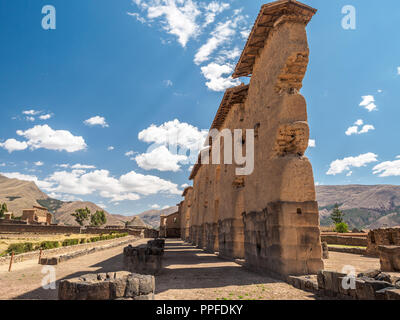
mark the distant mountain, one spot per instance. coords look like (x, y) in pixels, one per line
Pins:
(152, 217)
(364, 206)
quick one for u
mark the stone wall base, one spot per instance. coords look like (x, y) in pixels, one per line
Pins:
(284, 239)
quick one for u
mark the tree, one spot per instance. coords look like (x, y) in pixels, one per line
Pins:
(337, 215)
(3, 209)
(81, 215)
(98, 219)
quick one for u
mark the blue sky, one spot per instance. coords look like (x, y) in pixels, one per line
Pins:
(126, 74)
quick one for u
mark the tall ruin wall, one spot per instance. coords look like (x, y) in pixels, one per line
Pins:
(269, 217)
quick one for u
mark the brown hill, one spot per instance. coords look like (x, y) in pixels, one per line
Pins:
(63, 214)
(364, 206)
(19, 194)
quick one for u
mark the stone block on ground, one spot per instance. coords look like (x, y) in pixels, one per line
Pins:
(389, 258)
(108, 286)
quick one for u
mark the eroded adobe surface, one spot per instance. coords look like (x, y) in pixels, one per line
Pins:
(269, 217)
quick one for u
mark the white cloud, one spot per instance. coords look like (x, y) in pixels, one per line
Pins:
(222, 33)
(245, 33)
(349, 173)
(32, 119)
(14, 145)
(388, 168)
(212, 9)
(311, 143)
(137, 16)
(38, 163)
(177, 17)
(174, 133)
(82, 166)
(367, 128)
(339, 166)
(398, 70)
(359, 122)
(31, 112)
(110, 148)
(96, 121)
(155, 206)
(42, 136)
(368, 103)
(354, 129)
(168, 83)
(185, 185)
(160, 159)
(127, 187)
(45, 117)
(130, 153)
(214, 72)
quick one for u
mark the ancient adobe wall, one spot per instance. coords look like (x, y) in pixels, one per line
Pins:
(270, 217)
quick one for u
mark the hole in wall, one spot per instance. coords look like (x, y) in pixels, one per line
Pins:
(299, 211)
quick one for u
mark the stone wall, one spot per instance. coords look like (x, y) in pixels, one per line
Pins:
(120, 285)
(43, 229)
(145, 258)
(389, 258)
(382, 237)
(345, 240)
(269, 217)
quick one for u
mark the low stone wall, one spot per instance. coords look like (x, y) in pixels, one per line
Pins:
(54, 260)
(145, 258)
(345, 240)
(382, 237)
(389, 258)
(373, 285)
(64, 250)
(120, 285)
(348, 250)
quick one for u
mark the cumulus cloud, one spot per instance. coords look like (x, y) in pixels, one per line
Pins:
(342, 165)
(398, 70)
(155, 206)
(96, 121)
(311, 143)
(127, 187)
(12, 145)
(214, 73)
(160, 159)
(168, 83)
(38, 163)
(368, 103)
(43, 136)
(388, 168)
(212, 9)
(110, 148)
(130, 153)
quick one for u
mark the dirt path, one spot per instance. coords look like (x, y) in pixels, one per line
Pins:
(190, 273)
(24, 282)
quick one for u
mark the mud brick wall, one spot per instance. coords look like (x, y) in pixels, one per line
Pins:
(382, 237)
(120, 285)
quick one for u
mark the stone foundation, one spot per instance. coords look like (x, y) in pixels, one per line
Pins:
(284, 239)
(389, 258)
(231, 238)
(120, 285)
(382, 237)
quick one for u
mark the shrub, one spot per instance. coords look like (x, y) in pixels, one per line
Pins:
(83, 240)
(20, 247)
(70, 242)
(342, 227)
(49, 245)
